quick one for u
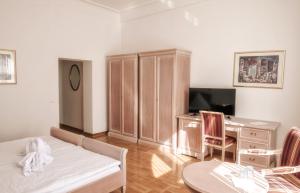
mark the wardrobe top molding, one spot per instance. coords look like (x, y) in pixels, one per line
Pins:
(132, 55)
(150, 53)
(164, 52)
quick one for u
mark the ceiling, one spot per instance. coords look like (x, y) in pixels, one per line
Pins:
(121, 5)
(132, 9)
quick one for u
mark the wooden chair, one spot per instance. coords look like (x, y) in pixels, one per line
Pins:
(213, 134)
(285, 178)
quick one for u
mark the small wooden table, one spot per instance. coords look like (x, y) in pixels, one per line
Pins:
(215, 176)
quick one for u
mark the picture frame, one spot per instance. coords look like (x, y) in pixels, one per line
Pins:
(8, 72)
(261, 69)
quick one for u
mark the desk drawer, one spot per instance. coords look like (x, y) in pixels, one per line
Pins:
(252, 145)
(254, 134)
(261, 161)
(190, 124)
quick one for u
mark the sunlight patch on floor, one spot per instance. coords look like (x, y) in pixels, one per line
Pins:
(180, 181)
(159, 167)
(178, 159)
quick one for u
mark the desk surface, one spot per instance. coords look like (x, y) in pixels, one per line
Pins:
(239, 122)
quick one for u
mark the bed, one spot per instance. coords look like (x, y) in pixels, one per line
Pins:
(80, 165)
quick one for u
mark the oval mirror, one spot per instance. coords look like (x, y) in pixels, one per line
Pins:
(74, 77)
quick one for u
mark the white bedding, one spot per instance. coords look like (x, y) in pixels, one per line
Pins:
(71, 168)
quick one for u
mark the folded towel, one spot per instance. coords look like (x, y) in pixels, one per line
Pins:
(38, 155)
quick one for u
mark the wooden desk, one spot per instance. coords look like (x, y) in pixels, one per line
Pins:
(250, 134)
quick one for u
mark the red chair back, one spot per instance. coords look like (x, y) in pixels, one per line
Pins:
(291, 150)
(213, 124)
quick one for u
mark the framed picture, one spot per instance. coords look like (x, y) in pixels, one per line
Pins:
(8, 67)
(259, 69)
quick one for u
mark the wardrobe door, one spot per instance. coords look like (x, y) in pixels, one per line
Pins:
(130, 96)
(165, 65)
(115, 95)
(147, 98)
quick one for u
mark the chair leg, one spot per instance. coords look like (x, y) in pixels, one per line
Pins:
(223, 154)
(234, 153)
(123, 189)
(211, 151)
(202, 152)
(238, 157)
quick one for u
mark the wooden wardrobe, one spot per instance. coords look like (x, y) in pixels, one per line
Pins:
(123, 96)
(164, 81)
(145, 93)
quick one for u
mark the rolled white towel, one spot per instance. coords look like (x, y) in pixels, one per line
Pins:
(38, 155)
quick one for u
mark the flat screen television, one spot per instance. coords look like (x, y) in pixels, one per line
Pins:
(212, 99)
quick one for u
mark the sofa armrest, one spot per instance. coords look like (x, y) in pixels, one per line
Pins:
(66, 136)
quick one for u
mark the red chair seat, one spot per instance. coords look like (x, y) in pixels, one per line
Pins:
(228, 140)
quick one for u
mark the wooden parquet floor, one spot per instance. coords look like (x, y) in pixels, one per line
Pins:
(152, 170)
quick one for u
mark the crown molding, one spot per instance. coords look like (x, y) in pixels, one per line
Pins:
(96, 3)
(143, 4)
(135, 6)
(144, 9)
(155, 7)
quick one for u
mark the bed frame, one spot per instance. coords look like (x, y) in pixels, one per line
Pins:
(109, 183)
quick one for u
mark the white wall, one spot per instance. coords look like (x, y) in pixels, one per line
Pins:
(88, 97)
(225, 27)
(41, 31)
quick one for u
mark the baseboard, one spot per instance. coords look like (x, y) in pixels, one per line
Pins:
(191, 153)
(71, 129)
(81, 132)
(123, 137)
(95, 135)
(157, 145)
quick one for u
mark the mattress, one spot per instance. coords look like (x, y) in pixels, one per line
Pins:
(71, 168)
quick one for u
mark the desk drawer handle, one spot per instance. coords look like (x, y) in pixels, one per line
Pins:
(251, 159)
(252, 146)
(253, 133)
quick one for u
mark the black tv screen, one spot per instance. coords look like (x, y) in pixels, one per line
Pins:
(212, 99)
